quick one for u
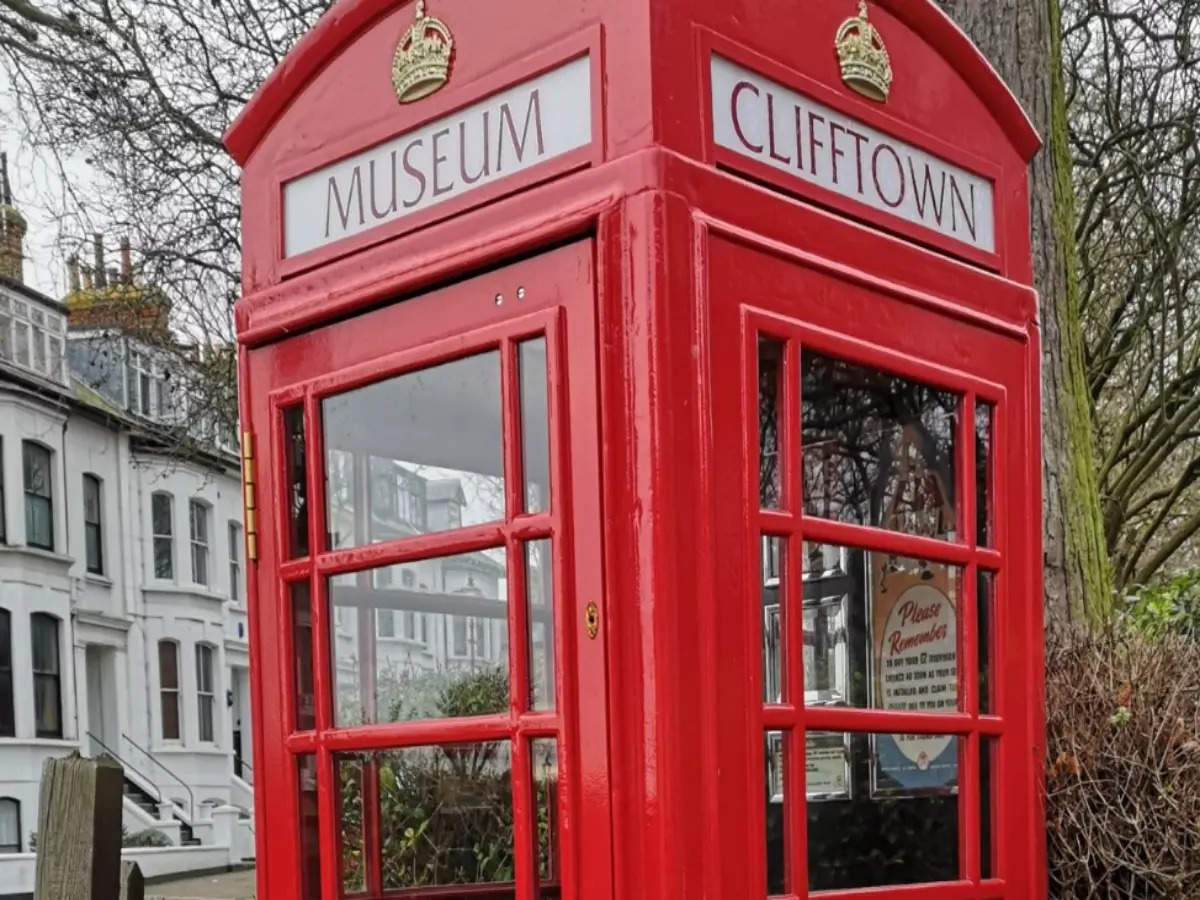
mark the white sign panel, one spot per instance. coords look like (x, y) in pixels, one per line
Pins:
(765, 121)
(498, 137)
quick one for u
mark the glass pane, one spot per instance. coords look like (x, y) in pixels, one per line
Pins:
(170, 715)
(46, 705)
(880, 631)
(160, 505)
(773, 756)
(878, 449)
(302, 650)
(168, 665)
(296, 453)
(417, 453)
(45, 643)
(351, 784)
(310, 839)
(987, 765)
(535, 427)
(898, 823)
(772, 619)
(454, 661)
(770, 369)
(983, 626)
(545, 800)
(37, 470)
(984, 414)
(444, 815)
(539, 593)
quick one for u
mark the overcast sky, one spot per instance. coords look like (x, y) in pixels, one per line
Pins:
(38, 190)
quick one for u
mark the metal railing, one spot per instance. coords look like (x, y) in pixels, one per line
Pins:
(242, 769)
(143, 783)
(191, 817)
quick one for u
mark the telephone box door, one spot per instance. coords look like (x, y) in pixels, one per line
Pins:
(430, 579)
(879, 434)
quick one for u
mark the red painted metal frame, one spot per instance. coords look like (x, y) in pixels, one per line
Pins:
(683, 261)
(557, 305)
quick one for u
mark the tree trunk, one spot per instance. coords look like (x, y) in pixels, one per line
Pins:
(1023, 40)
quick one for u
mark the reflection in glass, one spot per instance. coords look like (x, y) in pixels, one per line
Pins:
(444, 814)
(770, 369)
(900, 824)
(421, 640)
(296, 455)
(417, 453)
(351, 783)
(535, 428)
(983, 629)
(877, 449)
(310, 844)
(880, 631)
(544, 761)
(984, 415)
(302, 653)
(826, 766)
(774, 750)
(539, 591)
(772, 633)
(987, 765)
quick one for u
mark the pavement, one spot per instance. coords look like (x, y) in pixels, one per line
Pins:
(225, 886)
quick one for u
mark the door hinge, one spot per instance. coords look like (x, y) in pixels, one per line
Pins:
(250, 495)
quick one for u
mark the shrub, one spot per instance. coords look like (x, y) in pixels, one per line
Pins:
(1123, 748)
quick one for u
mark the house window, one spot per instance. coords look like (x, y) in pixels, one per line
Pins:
(7, 719)
(21, 343)
(387, 623)
(47, 696)
(91, 524)
(198, 516)
(162, 514)
(459, 630)
(204, 690)
(10, 825)
(235, 562)
(39, 510)
(168, 688)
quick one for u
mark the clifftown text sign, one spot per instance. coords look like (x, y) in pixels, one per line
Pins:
(755, 117)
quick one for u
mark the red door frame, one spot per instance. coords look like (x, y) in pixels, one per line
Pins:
(556, 293)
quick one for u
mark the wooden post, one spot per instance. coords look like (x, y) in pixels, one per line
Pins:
(132, 885)
(79, 829)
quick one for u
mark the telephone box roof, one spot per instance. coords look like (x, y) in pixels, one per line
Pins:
(347, 19)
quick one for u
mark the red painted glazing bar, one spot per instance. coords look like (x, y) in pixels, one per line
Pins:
(419, 546)
(948, 890)
(414, 734)
(795, 777)
(846, 534)
(880, 721)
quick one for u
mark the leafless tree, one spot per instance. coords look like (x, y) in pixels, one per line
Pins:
(145, 90)
(1133, 90)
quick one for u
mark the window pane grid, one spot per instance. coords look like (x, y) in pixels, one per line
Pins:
(976, 553)
(516, 533)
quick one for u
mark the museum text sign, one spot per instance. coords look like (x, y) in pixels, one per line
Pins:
(762, 120)
(494, 139)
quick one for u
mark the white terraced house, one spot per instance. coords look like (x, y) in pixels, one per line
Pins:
(122, 572)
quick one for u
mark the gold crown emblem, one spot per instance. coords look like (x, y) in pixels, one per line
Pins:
(422, 62)
(865, 64)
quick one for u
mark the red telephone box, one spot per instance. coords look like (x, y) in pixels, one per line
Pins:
(642, 464)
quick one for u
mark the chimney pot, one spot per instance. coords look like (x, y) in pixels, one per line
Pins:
(126, 262)
(98, 254)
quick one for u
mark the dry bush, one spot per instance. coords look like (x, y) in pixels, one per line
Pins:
(1123, 745)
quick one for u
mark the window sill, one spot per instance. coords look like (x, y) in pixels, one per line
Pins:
(170, 587)
(98, 579)
(37, 553)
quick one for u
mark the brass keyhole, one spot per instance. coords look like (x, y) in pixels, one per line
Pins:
(591, 619)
